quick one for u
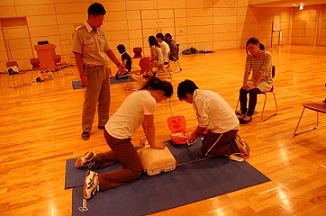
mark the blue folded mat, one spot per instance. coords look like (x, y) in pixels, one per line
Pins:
(77, 84)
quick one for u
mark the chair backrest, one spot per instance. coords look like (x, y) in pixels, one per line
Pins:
(12, 67)
(178, 45)
(143, 63)
(11, 64)
(273, 75)
(57, 58)
(35, 62)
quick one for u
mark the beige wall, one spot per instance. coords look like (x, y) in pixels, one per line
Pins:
(205, 24)
(322, 27)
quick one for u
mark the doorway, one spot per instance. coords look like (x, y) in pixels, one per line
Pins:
(17, 41)
(304, 26)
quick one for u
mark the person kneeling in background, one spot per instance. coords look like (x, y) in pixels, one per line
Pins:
(126, 62)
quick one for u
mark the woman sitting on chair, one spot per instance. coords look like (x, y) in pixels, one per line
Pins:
(156, 59)
(259, 61)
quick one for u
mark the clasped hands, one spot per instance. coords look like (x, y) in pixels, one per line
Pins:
(247, 87)
(191, 139)
(159, 145)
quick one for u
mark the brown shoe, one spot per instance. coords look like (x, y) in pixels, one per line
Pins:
(245, 120)
(85, 135)
(242, 145)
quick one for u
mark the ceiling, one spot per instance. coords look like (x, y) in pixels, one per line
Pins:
(284, 3)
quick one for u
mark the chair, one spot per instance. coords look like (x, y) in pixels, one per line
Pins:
(317, 107)
(12, 67)
(161, 69)
(143, 63)
(61, 64)
(271, 91)
(36, 68)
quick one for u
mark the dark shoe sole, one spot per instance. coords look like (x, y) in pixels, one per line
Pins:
(85, 135)
(242, 121)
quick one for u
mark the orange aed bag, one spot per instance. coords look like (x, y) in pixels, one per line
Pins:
(177, 126)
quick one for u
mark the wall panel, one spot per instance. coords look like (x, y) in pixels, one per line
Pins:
(206, 24)
(34, 10)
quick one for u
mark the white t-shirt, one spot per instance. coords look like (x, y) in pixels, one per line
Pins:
(157, 51)
(131, 114)
(214, 112)
(165, 50)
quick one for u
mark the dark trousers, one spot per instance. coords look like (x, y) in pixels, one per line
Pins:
(218, 144)
(252, 100)
(97, 94)
(122, 152)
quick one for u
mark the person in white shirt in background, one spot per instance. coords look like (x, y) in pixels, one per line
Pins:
(156, 59)
(165, 48)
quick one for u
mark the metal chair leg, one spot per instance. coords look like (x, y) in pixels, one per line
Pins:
(263, 110)
(14, 81)
(129, 79)
(313, 128)
(176, 64)
(276, 108)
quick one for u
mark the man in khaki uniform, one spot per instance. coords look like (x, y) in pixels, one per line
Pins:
(91, 51)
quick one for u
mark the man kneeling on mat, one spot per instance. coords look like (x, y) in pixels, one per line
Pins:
(215, 114)
(118, 131)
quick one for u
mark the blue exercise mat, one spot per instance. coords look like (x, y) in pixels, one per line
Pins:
(188, 183)
(77, 84)
(75, 177)
(185, 153)
(182, 153)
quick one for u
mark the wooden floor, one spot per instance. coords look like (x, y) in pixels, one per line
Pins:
(40, 127)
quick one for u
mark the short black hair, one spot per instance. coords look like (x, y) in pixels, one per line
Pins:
(121, 48)
(96, 9)
(186, 86)
(168, 35)
(160, 35)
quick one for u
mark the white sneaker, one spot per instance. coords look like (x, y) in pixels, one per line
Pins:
(88, 160)
(91, 184)
(242, 145)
